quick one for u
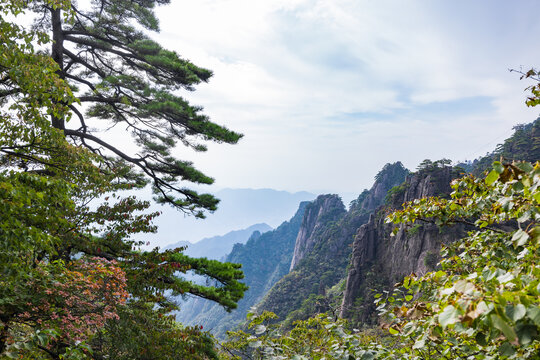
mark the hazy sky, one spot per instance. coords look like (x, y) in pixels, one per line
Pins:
(327, 92)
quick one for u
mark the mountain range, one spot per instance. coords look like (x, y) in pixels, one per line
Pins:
(217, 247)
(327, 258)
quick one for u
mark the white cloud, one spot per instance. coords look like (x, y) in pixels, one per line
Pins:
(326, 92)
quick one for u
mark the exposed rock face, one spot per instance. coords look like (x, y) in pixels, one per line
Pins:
(324, 209)
(378, 260)
(433, 182)
(323, 247)
(391, 175)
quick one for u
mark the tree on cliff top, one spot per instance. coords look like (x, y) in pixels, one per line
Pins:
(124, 79)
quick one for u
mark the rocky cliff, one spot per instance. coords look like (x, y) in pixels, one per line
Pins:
(379, 260)
(323, 247)
(326, 208)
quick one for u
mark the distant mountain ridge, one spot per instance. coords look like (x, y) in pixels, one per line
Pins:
(238, 209)
(323, 247)
(265, 259)
(217, 247)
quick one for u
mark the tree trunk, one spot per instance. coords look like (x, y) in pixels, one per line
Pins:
(57, 55)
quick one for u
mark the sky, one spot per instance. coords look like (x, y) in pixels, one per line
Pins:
(327, 92)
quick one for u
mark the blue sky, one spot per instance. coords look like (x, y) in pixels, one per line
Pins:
(327, 92)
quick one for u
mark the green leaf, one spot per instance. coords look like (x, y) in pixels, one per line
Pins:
(259, 329)
(520, 238)
(503, 279)
(255, 344)
(481, 339)
(525, 166)
(533, 313)
(367, 356)
(406, 282)
(504, 327)
(516, 312)
(463, 286)
(526, 334)
(450, 315)
(507, 349)
(420, 343)
(492, 177)
(517, 186)
(498, 167)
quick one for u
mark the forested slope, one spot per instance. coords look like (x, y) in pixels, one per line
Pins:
(265, 259)
(323, 248)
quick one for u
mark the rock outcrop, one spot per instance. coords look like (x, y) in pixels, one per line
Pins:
(323, 247)
(324, 209)
(379, 260)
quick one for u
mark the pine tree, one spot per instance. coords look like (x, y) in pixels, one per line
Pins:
(124, 79)
(50, 170)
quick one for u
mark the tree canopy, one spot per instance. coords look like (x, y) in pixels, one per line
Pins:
(123, 79)
(74, 283)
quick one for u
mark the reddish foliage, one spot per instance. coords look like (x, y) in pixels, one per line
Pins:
(79, 301)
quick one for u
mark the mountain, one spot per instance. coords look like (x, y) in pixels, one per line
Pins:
(218, 247)
(265, 259)
(238, 209)
(328, 276)
(322, 249)
(380, 260)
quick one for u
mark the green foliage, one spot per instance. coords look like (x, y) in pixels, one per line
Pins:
(428, 165)
(360, 199)
(73, 281)
(431, 260)
(395, 194)
(392, 173)
(142, 333)
(483, 303)
(319, 337)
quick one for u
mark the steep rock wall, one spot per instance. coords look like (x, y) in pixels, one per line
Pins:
(325, 208)
(379, 260)
(323, 247)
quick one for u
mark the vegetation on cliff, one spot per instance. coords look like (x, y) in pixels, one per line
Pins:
(315, 284)
(483, 302)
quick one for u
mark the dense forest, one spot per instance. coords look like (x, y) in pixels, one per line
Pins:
(437, 263)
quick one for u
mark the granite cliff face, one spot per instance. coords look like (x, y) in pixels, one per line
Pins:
(324, 209)
(379, 260)
(323, 247)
